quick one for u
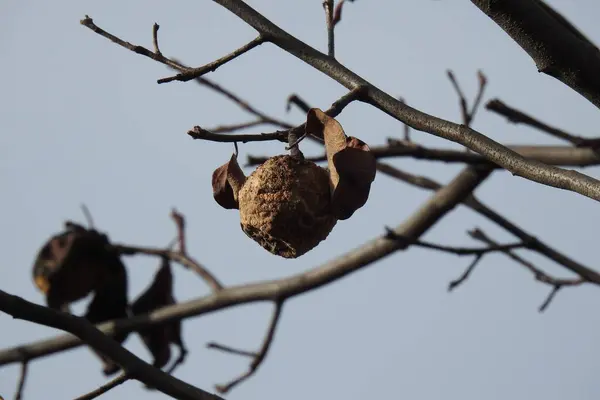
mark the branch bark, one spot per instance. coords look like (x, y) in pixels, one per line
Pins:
(555, 45)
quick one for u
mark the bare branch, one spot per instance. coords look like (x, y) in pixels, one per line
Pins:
(553, 155)
(538, 273)
(440, 203)
(80, 327)
(198, 72)
(557, 47)
(518, 117)
(465, 275)
(231, 350)
(260, 356)
(459, 251)
(328, 6)
(199, 133)
(236, 127)
(155, 29)
(494, 151)
(22, 378)
(105, 388)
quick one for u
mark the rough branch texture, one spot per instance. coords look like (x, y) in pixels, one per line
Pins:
(557, 48)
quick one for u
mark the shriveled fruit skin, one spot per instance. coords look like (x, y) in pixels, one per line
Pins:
(284, 206)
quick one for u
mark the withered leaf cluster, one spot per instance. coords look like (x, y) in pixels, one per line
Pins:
(289, 205)
(78, 262)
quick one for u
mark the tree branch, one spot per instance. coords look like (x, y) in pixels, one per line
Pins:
(495, 152)
(80, 327)
(194, 73)
(555, 45)
(105, 388)
(439, 204)
(259, 357)
(518, 117)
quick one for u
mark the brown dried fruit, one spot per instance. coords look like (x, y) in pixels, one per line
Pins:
(352, 166)
(226, 182)
(158, 338)
(284, 206)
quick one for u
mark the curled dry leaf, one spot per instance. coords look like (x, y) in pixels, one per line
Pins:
(352, 166)
(158, 338)
(76, 262)
(227, 180)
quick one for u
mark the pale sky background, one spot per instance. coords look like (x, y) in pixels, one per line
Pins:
(83, 120)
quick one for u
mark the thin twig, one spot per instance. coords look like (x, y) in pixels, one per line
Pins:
(260, 356)
(155, 29)
(105, 388)
(294, 99)
(459, 251)
(88, 216)
(328, 6)
(518, 117)
(22, 377)
(197, 72)
(538, 273)
(465, 275)
(200, 133)
(236, 127)
(231, 350)
(464, 109)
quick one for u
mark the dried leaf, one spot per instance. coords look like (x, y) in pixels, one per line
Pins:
(159, 338)
(77, 262)
(227, 180)
(110, 302)
(352, 166)
(71, 265)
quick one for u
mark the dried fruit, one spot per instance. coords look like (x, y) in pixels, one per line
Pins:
(284, 206)
(289, 205)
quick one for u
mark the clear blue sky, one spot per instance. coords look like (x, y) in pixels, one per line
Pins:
(82, 120)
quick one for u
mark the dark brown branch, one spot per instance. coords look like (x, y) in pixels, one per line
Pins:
(462, 99)
(22, 378)
(155, 29)
(236, 127)
(194, 73)
(328, 6)
(80, 327)
(105, 388)
(538, 273)
(459, 251)
(260, 356)
(243, 104)
(176, 65)
(556, 46)
(231, 350)
(553, 155)
(495, 152)
(473, 203)
(465, 275)
(175, 256)
(518, 117)
(294, 99)
(199, 133)
(439, 204)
